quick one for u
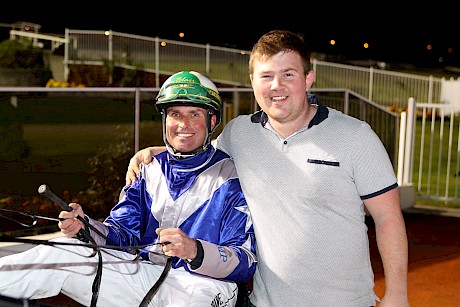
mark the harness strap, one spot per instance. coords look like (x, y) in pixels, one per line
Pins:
(148, 297)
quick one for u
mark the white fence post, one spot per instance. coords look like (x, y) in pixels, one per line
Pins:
(408, 151)
(406, 148)
(402, 144)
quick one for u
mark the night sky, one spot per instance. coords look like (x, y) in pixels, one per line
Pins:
(394, 34)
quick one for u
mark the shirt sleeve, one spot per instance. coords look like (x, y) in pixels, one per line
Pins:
(218, 261)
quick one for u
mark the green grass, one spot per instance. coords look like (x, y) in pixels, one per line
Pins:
(60, 153)
(74, 139)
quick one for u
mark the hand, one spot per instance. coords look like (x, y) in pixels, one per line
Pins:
(144, 155)
(180, 245)
(71, 225)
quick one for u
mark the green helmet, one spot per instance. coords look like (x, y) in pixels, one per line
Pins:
(190, 88)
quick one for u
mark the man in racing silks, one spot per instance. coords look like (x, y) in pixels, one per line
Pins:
(187, 207)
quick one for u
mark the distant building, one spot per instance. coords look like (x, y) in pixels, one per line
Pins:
(26, 26)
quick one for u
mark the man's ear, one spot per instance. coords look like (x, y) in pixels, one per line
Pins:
(310, 78)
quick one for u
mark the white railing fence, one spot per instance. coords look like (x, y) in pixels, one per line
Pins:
(431, 158)
(230, 66)
(227, 66)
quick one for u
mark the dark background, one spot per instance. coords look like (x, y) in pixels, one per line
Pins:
(396, 34)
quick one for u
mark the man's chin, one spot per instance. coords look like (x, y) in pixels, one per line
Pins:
(183, 148)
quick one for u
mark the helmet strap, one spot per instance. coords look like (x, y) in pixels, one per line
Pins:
(207, 140)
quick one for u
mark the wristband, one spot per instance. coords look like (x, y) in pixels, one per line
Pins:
(196, 263)
(84, 235)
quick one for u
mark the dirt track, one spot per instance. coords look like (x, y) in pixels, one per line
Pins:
(434, 260)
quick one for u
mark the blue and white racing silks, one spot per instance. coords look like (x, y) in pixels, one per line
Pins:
(202, 196)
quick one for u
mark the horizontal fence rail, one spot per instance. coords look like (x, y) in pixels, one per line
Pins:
(155, 55)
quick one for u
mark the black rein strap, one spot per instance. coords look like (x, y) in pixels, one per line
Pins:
(148, 297)
(85, 236)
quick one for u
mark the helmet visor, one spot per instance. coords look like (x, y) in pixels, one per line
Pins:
(189, 92)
